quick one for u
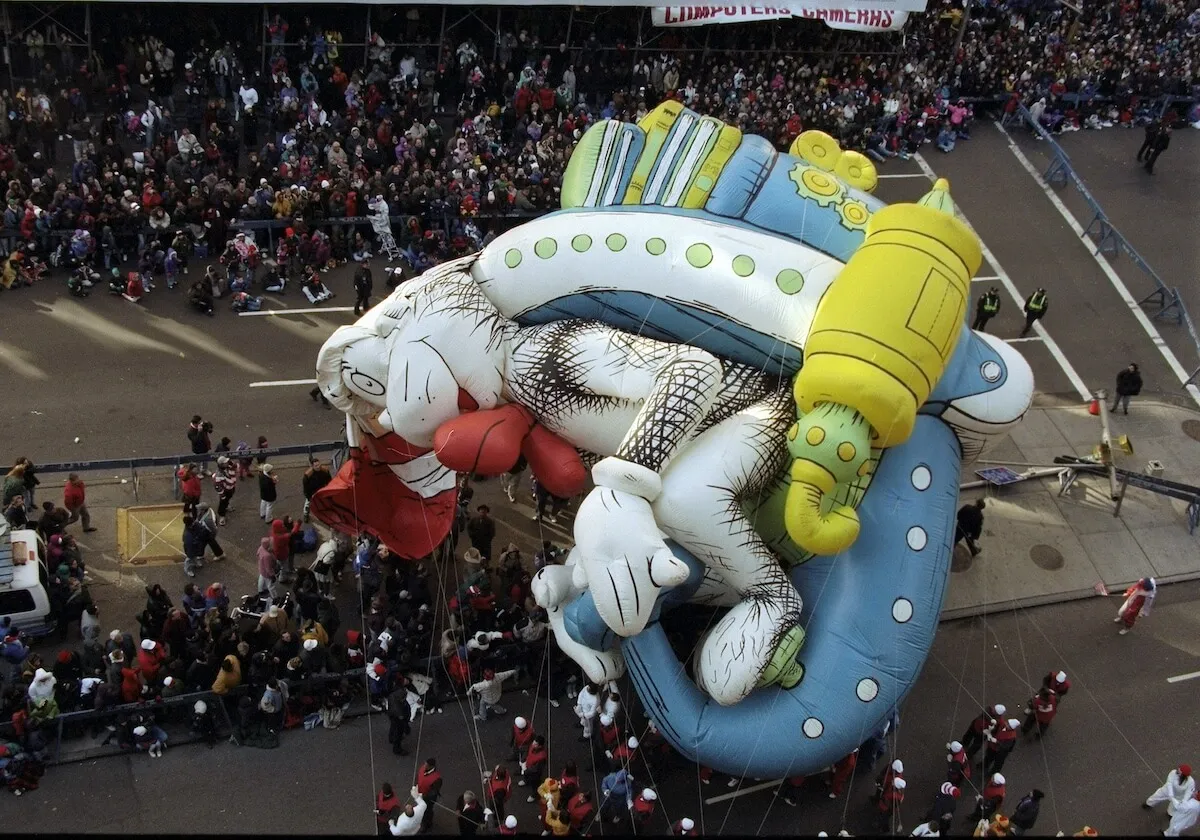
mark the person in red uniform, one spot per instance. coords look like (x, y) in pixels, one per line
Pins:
(989, 802)
(789, 790)
(643, 809)
(842, 771)
(568, 782)
(534, 765)
(883, 783)
(429, 785)
(889, 804)
(1040, 712)
(385, 801)
(610, 735)
(150, 659)
(522, 737)
(685, 827)
(498, 791)
(973, 738)
(581, 810)
(958, 765)
(622, 755)
(1001, 739)
(1057, 682)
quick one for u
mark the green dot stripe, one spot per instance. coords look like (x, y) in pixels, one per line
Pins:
(582, 243)
(699, 255)
(545, 248)
(743, 266)
(789, 281)
(512, 258)
(616, 242)
(656, 246)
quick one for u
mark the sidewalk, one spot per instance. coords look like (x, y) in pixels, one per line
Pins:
(1040, 548)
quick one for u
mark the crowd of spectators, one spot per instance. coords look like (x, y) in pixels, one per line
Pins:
(166, 145)
(280, 659)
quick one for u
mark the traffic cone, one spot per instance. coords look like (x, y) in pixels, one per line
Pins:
(1094, 408)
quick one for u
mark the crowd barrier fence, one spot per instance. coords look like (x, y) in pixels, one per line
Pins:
(1165, 300)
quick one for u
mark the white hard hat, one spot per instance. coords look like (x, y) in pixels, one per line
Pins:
(632, 743)
(510, 822)
(649, 795)
(954, 746)
(899, 784)
(686, 824)
(606, 720)
(898, 766)
(1013, 723)
(1001, 708)
(997, 779)
(521, 723)
(139, 731)
(1061, 676)
(200, 708)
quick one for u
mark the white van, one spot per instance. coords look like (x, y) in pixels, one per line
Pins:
(23, 581)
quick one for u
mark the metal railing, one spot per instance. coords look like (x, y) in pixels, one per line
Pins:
(1165, 301)
(337, 447)
(66, 723)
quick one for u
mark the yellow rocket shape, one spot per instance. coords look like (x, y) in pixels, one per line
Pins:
(881, 339)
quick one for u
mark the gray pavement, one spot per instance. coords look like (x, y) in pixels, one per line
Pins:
(126, 380)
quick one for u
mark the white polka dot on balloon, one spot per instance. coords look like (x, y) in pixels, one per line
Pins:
(917, 538)
(921, 477)
(902, 610)
(990, 371)
(867, 690)
(813, 728)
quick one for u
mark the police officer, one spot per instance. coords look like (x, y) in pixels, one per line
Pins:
(1035, 309)
(986, 309)
(362, 286)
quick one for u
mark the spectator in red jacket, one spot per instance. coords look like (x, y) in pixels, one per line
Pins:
(75, 501)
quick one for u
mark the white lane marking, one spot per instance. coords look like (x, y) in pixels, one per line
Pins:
(1023, 338)
(1080, 386)
(1184, 677)
(1109, 272)
(298, 311)
(902, 175)
(742, 792)
(984, 278)
(279, 382)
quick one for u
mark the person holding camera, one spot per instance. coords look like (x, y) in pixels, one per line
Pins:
(200, 434)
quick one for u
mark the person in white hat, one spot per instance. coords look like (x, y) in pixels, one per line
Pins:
(883, 782)
(685, 827)
(267, 492)
(643, 808)
(974, 737)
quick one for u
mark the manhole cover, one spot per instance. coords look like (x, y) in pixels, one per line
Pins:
(1191, 428)
(961, 559)
(1046, 557)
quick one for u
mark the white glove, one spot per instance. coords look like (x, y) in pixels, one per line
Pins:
(414, 792)
(623, 558)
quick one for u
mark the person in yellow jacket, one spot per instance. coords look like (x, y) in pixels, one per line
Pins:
(229, 677)
(8, 275)
(313, 630)
(559, 825)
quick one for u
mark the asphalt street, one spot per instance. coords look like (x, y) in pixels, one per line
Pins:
(126, 379)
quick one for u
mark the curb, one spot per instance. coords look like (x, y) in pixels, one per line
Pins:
(1048, 599)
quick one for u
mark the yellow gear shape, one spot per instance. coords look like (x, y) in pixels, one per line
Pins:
(854, 214)
(821, 187)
